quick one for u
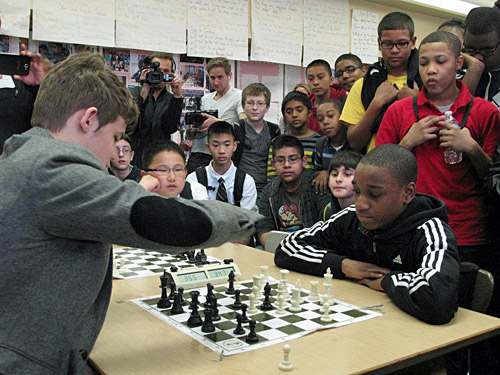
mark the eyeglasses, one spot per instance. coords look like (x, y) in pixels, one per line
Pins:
(482, 52)
(251, 104)
(125, 150)
(178, 171)
(401, 44)
(349, 69)
(281, 160)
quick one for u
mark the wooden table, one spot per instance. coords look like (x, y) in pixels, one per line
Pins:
(135, 342)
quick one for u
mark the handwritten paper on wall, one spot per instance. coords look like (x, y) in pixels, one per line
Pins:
(218, 28)
(364, 35)
(90, 22)
(154, 25)
(326, 30)
(15, 18)
(277, 31)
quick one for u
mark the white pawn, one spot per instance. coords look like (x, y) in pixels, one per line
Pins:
(295, 301)
(314, 296)
(286, 364)
(237, 277)
(298, 285)
(324, 299)
(281, 302)
(282, 289)
(264, 274)
(325, 318)
(251, 308)
(284, 276)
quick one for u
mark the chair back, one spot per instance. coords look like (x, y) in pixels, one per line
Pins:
(273, 239)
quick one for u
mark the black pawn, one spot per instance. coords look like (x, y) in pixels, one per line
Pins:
(244, 317)
(180, 290)
(210, 293)
(172, 291)
(208, 324)
(195, 318)
(239, 330)
(230, 288)
(237, 302)
(177, 306)
(266, 305)
(215, 311)
(252, 336)
(194, 298)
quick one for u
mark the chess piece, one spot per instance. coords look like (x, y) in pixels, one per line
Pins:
(266, 305)
(180, 290)
(215, 311)
(264, 273)
(230, 288)
(194, 298)
(325, 318)
(328, 276)
(314, 296)
(284, 276)
(252, 309)
(328, 292)
(324, 299)
(244, 318)
(210, 293)
(252, 336)
(164, 302)
(281, 303)
(237, 277)
(282, 289)
(256, 284)
(172, 291)
(177, 306)
(195, 318)
(295, 301)
(239, 330)
(208, 325)
(298, 285)
(286, 364)
(237, 302)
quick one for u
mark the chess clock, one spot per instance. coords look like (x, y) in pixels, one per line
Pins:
(199, 276)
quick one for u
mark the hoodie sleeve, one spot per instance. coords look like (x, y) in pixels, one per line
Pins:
(431, 292)
(313, 250)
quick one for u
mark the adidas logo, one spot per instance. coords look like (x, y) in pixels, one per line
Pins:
(397, 260)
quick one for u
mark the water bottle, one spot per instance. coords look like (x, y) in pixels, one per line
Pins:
(450, 155)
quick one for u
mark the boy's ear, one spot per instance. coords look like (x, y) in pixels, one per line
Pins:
(207, 146)
(409, 191)
(132, 155)
(459, 62)
(414, 41)
(143, 173)
(304, 161)
(89, 120)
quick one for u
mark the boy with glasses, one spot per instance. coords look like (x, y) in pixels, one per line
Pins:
(393, 78)
(120, 165)
(348, 69)
(254, 134)
(289, 201)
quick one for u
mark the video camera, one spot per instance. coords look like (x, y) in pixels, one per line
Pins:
(196, 119)
(154, 76)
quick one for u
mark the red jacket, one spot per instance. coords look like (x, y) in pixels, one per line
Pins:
(335, 93)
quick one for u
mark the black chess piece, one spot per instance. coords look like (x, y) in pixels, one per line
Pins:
(195, 318)
(201, 258)
(208, 325)
(190, 255)
(266, 305)
(239, 330)
(164, 302)
(177, 306)
(172, 291)
(244, 317)
(194, 298)
(180, 290)
(210, 293)
(230, 288)
(237, 302)
(215, 311)
(252, 336)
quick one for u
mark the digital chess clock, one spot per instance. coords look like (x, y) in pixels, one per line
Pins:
(199, 276)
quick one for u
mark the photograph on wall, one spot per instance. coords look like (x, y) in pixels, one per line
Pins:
(54, 52)
(117, 59)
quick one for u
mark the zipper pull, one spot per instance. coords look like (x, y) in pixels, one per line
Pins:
(374, 246)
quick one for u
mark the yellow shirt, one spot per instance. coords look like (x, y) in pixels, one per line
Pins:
(353, 110)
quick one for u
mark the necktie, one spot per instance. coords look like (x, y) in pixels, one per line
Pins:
(221, 191)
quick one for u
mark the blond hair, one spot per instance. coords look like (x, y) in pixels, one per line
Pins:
(79, 82)
(219, 62)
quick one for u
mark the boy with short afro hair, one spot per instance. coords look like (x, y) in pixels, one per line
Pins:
(320, 80)
(56, 255)
(393, 239)
(393, 78)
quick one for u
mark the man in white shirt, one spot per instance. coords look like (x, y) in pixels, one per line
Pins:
(225, 99)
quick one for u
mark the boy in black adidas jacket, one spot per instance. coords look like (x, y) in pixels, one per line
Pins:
(392, 240)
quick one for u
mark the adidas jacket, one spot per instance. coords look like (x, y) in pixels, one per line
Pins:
(420, 249)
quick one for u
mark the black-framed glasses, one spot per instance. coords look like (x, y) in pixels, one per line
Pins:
(349, 69)
(178, 171)
(400, 44)
(482, 52)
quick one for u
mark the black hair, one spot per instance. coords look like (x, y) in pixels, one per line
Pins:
(454, 22)
(325, 64)
(283, 141)
(336, 103)
(396, 21)
(349, 56)
(451, 40)
(482, 21)
(398, 160)
(152, 149)
(346, 159)
(220, 127)
(297, 96)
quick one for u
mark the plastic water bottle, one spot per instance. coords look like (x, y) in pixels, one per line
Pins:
(450, 155)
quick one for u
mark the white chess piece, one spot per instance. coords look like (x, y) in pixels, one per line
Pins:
(286, 364)
(328, 293)
(251, 308)
(264, 273)
(298, 285)
(328, 276)
(284, 275)
(324, 299)
(237, 277)
(281, 302)
(257, 283)
(326, 313)
(314, 296)
(282, 289)
(295, 301)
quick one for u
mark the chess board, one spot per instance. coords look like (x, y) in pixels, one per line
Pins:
(271, 328)
(131, 262)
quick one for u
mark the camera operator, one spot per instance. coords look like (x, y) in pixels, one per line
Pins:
(160, 104)
(225, 99)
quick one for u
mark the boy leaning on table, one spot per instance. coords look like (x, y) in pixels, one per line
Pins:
(391, 240)
(60, 211)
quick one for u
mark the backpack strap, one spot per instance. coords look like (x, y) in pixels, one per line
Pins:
(466, 114)
(201, 176)
(415, 108)
(186, 193)
(239, 180)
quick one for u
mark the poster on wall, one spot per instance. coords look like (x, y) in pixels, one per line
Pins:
(364, 35)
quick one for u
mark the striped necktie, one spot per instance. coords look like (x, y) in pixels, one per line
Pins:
(221, 191)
